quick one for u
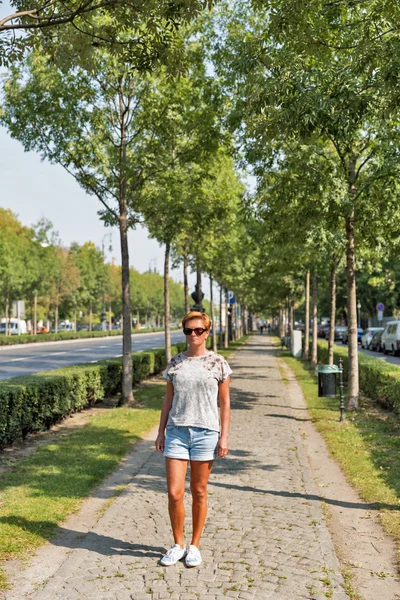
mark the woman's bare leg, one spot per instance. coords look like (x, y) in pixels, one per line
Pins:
(199, 475)
(176, 473)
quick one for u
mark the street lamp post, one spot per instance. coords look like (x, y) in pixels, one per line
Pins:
(359, 313)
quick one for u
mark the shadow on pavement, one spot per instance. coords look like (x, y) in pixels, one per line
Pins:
(102, 544)
(283, 494)
(287, 417)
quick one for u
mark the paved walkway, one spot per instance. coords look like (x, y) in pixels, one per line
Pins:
(265, 538)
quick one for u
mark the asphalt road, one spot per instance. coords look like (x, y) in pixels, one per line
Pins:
(46, 356)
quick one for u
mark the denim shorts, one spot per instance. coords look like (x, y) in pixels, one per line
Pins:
(190, 443)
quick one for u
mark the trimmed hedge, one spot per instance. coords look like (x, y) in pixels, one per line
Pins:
(36, 402)
(28, 338)
(379, 380)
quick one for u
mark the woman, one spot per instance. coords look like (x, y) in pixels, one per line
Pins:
(190, 430)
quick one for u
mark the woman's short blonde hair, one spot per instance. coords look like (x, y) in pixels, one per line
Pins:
(194, 314)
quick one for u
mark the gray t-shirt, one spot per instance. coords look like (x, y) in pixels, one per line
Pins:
(195, 380)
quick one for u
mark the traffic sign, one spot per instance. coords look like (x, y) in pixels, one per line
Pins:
(380, 306)
(380, 315)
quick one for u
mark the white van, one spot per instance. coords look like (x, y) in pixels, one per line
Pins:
(13, 326)
(66, 326)
(391, 337)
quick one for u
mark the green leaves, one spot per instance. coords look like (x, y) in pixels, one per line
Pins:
(141, 32)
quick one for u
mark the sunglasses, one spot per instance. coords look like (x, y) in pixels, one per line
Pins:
(197, 330)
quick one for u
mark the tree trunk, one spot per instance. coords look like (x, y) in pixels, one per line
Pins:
(166, 303)
(90, 316)
(214, 331)
(244, 320)
(35, 314)
(186, 284)
(306, 349)
(126, 396)
(75, 312)
(314, 343)
(331, 341)
(291, 315)
(281, 323)
(234, 322)
(7, 328)
(56, 316)
(353, 383)
(226, 336)
(221, 335)
(110, 319)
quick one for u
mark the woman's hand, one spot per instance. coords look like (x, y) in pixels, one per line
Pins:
(160, 442)
(222, 447)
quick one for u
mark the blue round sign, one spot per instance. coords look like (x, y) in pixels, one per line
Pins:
(380, 306)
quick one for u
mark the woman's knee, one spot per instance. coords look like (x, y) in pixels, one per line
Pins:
(175, 495)
(199, 492)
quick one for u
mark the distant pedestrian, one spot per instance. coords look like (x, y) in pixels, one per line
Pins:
(192, 430)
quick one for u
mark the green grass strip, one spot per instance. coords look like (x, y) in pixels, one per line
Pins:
(367, 446)
(44, 488)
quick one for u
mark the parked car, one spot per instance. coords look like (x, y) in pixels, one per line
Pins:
(368, 335)
(391, 337)
(376, 342)
(65, 326)
(339, 332)
(360, 331)
(325, 331)
(14, 326)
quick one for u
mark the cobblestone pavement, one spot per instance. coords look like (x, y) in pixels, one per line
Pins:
(265, 537)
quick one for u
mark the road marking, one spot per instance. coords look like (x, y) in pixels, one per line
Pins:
(17, 359)
(93, 361)
(118, 356)
(82, 349)
(54, 353)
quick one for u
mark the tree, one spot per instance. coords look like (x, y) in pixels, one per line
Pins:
(143, 31)
(183, 139)
(294, 88)
(92, 275)
(64, 279)
(90, 123)
(14, 252)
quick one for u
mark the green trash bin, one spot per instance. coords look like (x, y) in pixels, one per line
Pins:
(327, 380)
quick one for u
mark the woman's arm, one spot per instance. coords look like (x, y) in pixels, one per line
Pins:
(166, 407)
(225, 416)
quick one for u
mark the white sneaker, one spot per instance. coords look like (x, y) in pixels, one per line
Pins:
(173, 555)
(193, 557)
